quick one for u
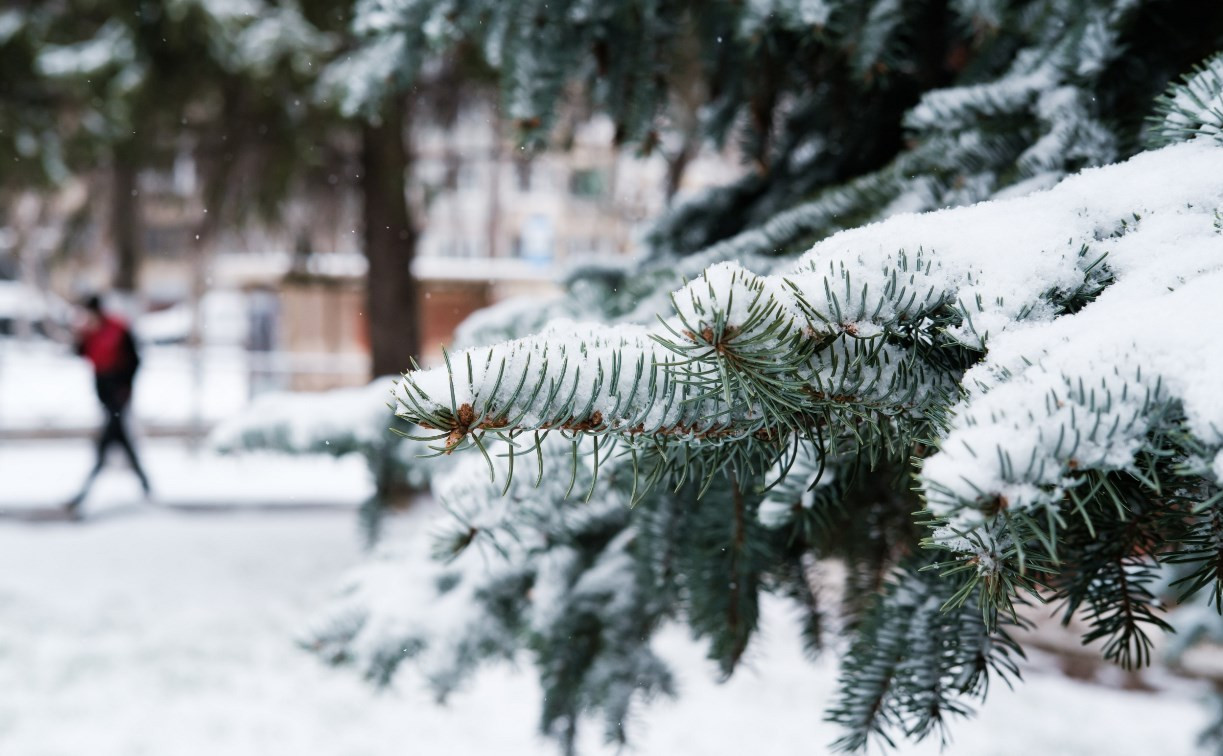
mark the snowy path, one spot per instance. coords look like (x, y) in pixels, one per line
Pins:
(167, 634)
(45, 474)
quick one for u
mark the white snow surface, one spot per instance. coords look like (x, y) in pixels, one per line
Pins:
(588, 372)
(11, 22)
(1055, 394)
(171, 634)
(793, 14)
(1147, 338)
(1072, 392)
(308, 421)
(42, 475)
(111, 46)
(282, 33)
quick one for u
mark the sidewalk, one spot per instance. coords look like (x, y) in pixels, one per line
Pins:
(41, 476)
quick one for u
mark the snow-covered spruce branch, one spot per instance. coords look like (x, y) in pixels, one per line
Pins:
(915, 663)
(1034, 287)
(1052, 296)
(517, 574)
(745, 357)
(1059, 297)
(1193, 107)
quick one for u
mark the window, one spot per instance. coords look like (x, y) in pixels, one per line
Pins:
(587, 183)
(522, 171)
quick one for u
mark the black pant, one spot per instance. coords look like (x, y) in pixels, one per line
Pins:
(115, 393)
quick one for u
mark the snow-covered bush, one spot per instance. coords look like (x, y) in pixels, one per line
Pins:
(337, 423)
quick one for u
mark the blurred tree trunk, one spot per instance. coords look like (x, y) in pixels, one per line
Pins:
(690, 91)
(678, 164)
(390, 242)
(126, 225)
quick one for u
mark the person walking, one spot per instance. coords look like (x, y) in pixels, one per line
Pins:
(106, 341)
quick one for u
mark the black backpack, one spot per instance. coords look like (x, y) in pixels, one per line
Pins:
(131, 355)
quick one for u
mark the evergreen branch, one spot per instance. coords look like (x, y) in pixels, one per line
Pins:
(1191, 107)
(1109, 571)
(914, 663)
(1201, 550)
(724, 561)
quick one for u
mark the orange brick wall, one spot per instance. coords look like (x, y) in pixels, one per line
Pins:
(443, 305)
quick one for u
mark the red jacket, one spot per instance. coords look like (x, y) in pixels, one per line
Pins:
(109, 347)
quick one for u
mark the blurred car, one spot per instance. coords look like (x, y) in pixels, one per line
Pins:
(225, 321)
(21, 306)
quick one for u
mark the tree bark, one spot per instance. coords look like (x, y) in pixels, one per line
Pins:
(126, 226)
(677, 165)
(391, 311)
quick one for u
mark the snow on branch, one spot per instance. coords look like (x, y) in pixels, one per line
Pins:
(1075, 322)
(333, 422)
(1192, 107)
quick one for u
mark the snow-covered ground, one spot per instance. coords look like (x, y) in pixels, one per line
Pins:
(44, 385)
(37, 475)
(170, 633)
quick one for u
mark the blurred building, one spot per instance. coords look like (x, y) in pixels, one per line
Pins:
(495, 222)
